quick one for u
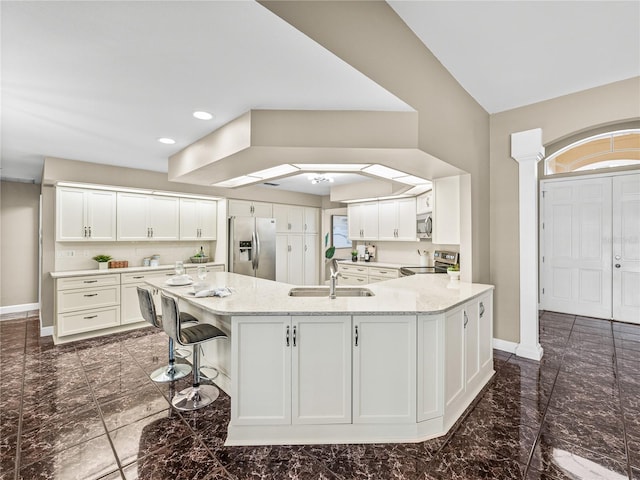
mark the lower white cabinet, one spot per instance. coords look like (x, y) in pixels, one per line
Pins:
(291, 370)
(360, 274)
(129, 303)
(384, 369)
(430, 383)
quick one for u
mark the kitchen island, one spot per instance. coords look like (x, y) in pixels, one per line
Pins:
(398, 366)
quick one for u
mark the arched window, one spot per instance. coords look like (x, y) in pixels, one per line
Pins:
(613, 149)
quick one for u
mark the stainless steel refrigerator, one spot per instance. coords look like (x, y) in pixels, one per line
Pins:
(252, 246)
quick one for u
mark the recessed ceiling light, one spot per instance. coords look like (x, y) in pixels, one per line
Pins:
(201, 115)
(167, 141)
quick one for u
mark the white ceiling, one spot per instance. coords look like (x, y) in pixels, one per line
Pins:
(101, 81)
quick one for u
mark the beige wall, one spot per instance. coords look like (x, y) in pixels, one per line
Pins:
(453, 127)
(19, 213)
(559, 118)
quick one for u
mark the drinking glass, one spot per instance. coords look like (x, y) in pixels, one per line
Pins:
(179, 268)
(202, 272)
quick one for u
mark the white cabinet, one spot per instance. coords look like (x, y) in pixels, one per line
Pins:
(289, 218)
(468, 334)
(360, 274)
(363, 221)
(245, 208)
(290, 258)
(291, 370)
(129, 303)
(446, 211)
(198, 219)
(397, 220)
(87, 303)
(311, 270)
(83, 215)
(430, 383)
(148, 217)
(311, 220)
(424, 203)
(384, 369)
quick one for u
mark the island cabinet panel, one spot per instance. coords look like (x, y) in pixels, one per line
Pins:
(472, 343)
(430, 367)
(454, 356)
(261, 370)
(291, 370)
(384, 369)
(321, 369)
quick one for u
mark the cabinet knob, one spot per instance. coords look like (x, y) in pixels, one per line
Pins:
(618, 265)
(481, 309)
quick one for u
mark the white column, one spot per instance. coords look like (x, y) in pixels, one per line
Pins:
(527, 150)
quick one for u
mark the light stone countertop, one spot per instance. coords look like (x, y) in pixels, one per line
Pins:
(416, 294)
(95, 271)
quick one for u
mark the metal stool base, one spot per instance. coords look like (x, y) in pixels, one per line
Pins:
(170, 373)
(194, 398)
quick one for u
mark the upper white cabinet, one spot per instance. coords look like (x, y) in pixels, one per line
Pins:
(289, 218)
(397, 220)
(446, 211)
(148, 217)
(363, 221)
(311, 220)
(424, 202)
(198, 219)
(245, 208)
(85, 215)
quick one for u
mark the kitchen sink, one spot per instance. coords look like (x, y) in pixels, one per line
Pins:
(324, 292)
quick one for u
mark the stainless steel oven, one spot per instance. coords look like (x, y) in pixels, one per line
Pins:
(441, 261)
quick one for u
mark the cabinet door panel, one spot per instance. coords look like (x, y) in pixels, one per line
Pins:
(239, 208)
(485, 313)
(208, 219)
(280, 213)
(369, 220)
(262, 210)
(70, 215)
(296, 219)
(132, 217)
(321, 370)
(282, 258)
(454, 380)
(101, 215)
(387, 220)
(164, 218)
(384, 369)
(406, 220)
(296, 260)
(311, 259)
(129, 304)
(188, 219)
(430, 367)
(261, 371)
(310, 220)
(472, 334)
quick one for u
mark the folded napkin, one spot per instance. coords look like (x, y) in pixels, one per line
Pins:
(214, 292)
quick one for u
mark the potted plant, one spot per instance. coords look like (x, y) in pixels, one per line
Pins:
(103, 261)
(354, 255)
(454, 271)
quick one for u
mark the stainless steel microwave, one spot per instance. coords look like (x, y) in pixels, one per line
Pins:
(424, 225)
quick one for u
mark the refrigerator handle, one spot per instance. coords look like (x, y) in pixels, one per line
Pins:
(230, 252)
(257, 250)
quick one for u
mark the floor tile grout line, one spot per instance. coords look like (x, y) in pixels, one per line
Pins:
(622, 409)
(546, 408)
(104, 425)
(19, 434)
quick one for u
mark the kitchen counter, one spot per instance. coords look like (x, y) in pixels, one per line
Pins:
(400, 366)
(371, 264)
(417, 294)
(95, 271)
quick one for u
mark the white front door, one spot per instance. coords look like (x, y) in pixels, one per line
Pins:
(576, 254)
(626, 248)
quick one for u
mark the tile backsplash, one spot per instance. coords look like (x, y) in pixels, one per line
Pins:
(79, 256)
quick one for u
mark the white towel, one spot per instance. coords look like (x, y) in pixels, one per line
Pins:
(214, 292)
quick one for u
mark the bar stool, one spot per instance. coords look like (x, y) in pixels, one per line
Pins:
(172, 371)
(197, 396)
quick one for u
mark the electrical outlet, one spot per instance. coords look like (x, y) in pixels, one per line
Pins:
(66, 253)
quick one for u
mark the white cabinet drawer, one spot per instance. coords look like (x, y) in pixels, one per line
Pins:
(349, 279)
(71, 300)
(374, 279)
(141, 277)
(353, 269)
(383, 272)
(87, 320)
(88, 281)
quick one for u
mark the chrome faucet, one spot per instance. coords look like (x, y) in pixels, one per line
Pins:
(333, 268)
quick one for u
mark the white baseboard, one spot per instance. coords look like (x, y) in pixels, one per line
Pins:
(504, 345)
(26, 307)
(46, 331)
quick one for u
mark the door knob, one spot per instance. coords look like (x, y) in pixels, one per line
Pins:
(617, 265)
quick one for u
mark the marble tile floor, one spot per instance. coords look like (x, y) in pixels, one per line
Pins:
(88, 410)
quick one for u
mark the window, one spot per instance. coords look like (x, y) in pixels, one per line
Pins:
(614, 149)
